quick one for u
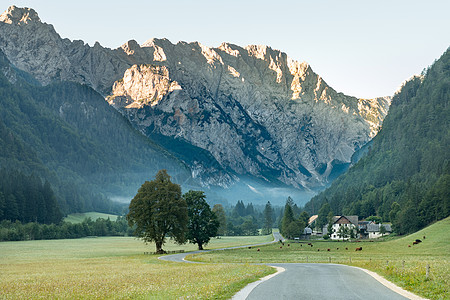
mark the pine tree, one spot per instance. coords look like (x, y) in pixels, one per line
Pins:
(221, 217)
(268, 218)
(239, 209)
(12, 210)
(288, 218)
(322, 217)
(2, 205)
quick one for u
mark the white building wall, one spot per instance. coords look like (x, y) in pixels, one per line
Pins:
(335, 235)
(375, 235)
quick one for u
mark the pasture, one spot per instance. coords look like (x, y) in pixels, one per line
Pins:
(115, 267)
(79, 217)
(392, 258)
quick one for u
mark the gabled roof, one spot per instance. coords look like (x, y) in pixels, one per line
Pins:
(372, 227)
(345, 220)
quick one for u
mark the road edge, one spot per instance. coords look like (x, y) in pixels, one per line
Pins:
(243, 294)
(392, 286)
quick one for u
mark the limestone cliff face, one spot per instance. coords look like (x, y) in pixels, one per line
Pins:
(227, 111)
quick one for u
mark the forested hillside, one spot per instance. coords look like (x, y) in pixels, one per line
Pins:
(405, 177)
(65, 138)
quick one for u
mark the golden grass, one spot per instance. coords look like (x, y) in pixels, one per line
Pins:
(113, 267)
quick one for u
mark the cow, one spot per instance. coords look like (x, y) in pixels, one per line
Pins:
(328, 249)
(418, 241)
(258, 250)
(358, 249)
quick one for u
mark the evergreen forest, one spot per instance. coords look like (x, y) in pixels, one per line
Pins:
(63, 146)
(405, 176)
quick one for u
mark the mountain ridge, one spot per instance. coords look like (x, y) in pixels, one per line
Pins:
(251, 111)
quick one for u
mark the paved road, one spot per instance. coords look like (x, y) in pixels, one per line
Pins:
(180, 256)
(310, 281)
(321, 281)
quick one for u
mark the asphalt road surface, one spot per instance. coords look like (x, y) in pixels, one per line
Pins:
(321, 281)
(311, 281)
(180, 256)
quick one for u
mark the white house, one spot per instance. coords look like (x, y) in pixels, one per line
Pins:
(374, 230)
(342, 227)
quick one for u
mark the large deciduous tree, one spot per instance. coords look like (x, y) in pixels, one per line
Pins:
(203, 223)
(158, 210)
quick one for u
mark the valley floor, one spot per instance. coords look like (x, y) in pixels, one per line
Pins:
(115, 267)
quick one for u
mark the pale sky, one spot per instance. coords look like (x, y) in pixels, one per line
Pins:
(360, 48)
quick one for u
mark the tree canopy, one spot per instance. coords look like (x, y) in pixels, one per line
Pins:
(203, 223)
(158, 210)
(292, 227)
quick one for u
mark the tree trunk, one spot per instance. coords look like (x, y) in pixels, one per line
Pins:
(200, 246)
(159, 249)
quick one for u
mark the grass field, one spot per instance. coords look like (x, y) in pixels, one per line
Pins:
(392, 258)
(115, 267)
(79, 217)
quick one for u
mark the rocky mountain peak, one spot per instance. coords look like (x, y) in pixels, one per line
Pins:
(130, 47)
(250, 111)
(142, 85)
(230, 49)
(19, 16)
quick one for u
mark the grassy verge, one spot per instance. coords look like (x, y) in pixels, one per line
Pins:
(392, 258)
(79, 217)
(115, 267)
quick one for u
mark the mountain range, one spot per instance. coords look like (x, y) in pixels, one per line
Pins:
(247, 119)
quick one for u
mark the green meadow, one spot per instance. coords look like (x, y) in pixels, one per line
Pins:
(79, 217)
(115, 267)
(396, 259)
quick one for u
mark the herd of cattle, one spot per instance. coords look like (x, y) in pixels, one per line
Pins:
(417, 241)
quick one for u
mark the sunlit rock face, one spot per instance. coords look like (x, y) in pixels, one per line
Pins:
(227, 111)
